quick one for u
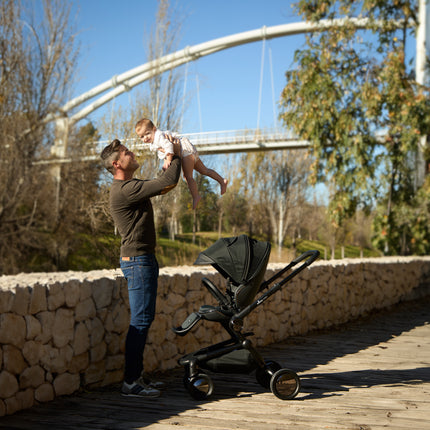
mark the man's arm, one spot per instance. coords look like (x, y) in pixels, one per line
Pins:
(142, 190)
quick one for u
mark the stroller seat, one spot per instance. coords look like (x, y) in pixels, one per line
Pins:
(206, 312)
(242, 261)
(220, 314)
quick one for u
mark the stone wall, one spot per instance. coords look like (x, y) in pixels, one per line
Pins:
(60, 332)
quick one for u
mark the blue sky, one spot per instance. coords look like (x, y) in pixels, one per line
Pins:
(112, 38)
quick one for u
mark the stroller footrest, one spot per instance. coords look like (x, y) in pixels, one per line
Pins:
(188, 324)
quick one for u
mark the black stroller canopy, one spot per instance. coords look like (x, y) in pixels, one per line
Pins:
(238, 258)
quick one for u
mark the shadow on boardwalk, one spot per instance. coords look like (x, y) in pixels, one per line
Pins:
(372, 360)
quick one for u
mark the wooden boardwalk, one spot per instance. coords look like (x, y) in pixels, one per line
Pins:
(369, 374)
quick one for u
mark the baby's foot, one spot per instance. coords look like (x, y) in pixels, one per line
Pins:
(196, 201)
(224, 186)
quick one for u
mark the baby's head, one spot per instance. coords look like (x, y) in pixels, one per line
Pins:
(145, 129)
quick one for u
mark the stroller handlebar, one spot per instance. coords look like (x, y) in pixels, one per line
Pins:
(310, 255)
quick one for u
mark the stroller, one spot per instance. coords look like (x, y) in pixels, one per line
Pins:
(242, 261)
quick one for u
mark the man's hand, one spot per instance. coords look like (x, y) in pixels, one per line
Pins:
(176, 145)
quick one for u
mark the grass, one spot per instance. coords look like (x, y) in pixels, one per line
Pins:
(103, 252)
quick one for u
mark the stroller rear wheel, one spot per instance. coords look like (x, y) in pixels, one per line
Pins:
(199, 386)
(264, 374)
(285, 384)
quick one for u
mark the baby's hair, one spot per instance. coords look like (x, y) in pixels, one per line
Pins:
(144, 123)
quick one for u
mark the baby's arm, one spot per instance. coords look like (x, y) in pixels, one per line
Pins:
(166, 142)
(171, 147)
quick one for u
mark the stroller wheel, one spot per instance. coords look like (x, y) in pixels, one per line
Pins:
(199, 386)
(264, 375)
(285, 384)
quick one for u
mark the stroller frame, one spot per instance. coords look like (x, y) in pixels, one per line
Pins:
(237, 354)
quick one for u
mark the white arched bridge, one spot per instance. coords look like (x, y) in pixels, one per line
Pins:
(214, 142)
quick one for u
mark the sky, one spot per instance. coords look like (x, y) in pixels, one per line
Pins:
(225, 86)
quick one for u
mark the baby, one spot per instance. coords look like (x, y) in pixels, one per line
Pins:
(158, 141)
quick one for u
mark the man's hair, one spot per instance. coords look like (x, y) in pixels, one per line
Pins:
(110, 154)
(145, 124)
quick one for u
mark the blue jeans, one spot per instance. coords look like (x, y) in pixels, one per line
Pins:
(141, 274)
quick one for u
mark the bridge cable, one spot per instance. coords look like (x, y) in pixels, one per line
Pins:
(111, 117)
(198, 102)
(275, 121)
(261, 83)
(183, 96)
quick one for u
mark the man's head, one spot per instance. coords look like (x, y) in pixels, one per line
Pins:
(116, 157)
(145, 129)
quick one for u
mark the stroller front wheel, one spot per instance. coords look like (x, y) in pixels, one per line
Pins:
(285, 384)
(199, 386)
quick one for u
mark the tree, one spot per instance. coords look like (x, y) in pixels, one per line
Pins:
(38, 55)
(346, 90)
(277, 180)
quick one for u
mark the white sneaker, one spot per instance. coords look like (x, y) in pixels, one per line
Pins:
(158, 385)
(139, 389)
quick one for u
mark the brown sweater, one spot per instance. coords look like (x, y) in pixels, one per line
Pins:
(132, 212)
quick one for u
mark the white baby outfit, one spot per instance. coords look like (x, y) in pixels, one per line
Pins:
(163, 145)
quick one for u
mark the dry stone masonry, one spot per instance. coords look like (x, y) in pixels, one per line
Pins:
(60, 332)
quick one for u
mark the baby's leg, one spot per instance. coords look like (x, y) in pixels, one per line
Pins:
(188, 168)
(201, 168)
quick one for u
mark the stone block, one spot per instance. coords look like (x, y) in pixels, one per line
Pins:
(112, 377)
(66, 383)
(81, 340)
(8, 385)
(34, 328)
(13, 361)
(121, 318)
(95, 373)
(46, 320)
(79, 363)
(56, 297)
(55, 360)
(12, 405)
(96, 331)
(12, 329)
(98, 352)
(21, 300)
(25, 398)
(102, 292)
(72, 293)
(38, 302)
(44, 393)
(85, 310)
(6, 300)
(32, 377)
(63, 330)
(114, 342)
(86, 290)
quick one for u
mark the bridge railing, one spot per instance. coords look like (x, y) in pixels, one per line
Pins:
(212, 142)
(224, 141)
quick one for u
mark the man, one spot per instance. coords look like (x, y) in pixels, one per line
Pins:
(132, 212)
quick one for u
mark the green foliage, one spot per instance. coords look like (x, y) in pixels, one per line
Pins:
(102, 252)
(344, 93)
(349, 250)
(94, 252)
(407, 229)
(182, 251)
